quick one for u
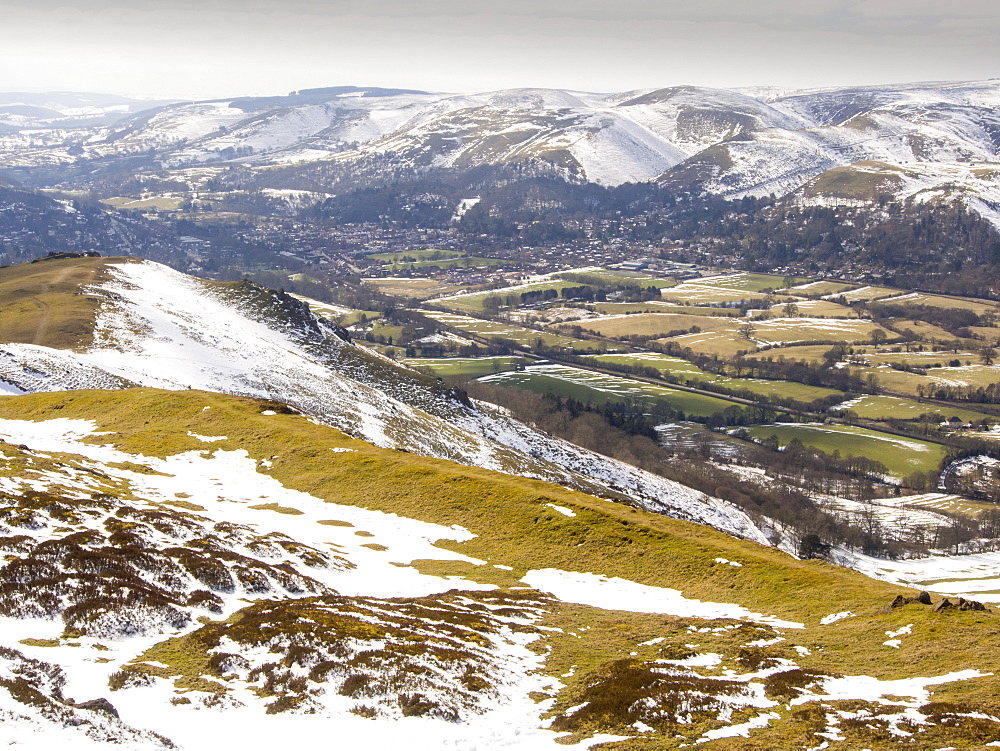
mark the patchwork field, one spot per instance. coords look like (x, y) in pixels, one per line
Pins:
(819, 288)
(524, 336)
(979, 307)
(865, 293)
(681, 368)
(792, 330)
(816, 309)
(464, 367)
(880, 407)
(901, 456)
(420, 289)
(654, 324)
(598, 388)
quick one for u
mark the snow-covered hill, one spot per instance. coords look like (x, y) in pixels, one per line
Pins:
(157, 327)
(734, 143)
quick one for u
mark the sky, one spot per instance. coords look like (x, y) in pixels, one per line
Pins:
(209, 48)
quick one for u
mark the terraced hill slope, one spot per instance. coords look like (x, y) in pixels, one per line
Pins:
(215, 569)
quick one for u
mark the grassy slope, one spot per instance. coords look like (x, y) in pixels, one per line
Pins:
(40, 303)
(515, 527)
(509, 514)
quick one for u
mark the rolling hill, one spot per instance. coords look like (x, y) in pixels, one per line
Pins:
(224, 523)
(941, 138)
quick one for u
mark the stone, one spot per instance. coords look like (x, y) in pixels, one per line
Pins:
(99, 705)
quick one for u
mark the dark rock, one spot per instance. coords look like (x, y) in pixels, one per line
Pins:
(99, 705)
(964, 604)
(924, 598)
(899, 602)
(945, 604)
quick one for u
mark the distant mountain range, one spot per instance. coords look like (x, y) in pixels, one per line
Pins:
(924, 141)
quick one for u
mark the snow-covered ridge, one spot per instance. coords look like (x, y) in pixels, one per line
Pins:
(771, 140)
(163, 329)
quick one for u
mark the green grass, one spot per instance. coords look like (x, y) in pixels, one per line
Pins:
(724, 288)
(822, 287)
(524, 336)
(598, 388)
(690, 373)
(463, 367)
(631, 278)
(654, 324)
(416, 256)
(871, 407)
(855, 182)
(513, 525)
(465, 262)
(338, 314)
(979, 307)
(161, 203)
(662, 306)
(816, 309)
(901, 456)
(417, 288)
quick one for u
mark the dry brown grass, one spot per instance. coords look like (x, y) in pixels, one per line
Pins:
(41, 303)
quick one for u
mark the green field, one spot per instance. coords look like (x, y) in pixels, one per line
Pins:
(524, 336)
(417, 288)
(653, 324)
(160, 203)
(464, 367)
(416, 256)
(465, 262)
(337, 313)
(689, 372)
(724, 288)
(614, 277)
(818, 288)
(867, 293)
(662, 306)
(816, 309)
(901, 456)
(871, 407)
(598, 388)
(747, 281)
(978, 307)
(473, 301)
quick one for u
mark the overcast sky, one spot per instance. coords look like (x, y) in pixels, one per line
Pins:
(204, 48)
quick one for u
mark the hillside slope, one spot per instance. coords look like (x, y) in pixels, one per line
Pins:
(730, 143)
(157, 327)
(212, 569)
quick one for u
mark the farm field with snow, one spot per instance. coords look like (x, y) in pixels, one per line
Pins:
(880, 407)
(901, 456)
(691, 373)
(519, 334)
(416, 287)
(464, 367)
(588, 386)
